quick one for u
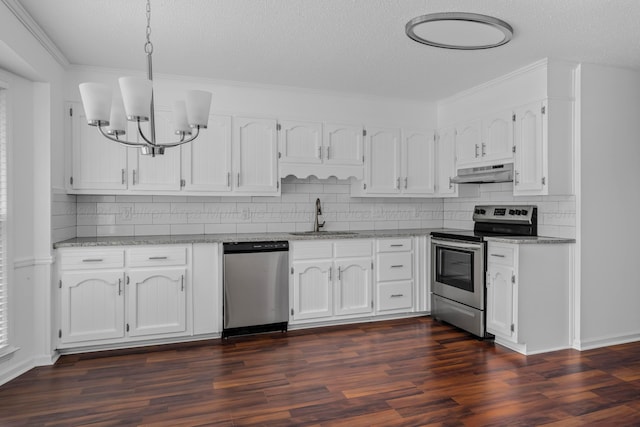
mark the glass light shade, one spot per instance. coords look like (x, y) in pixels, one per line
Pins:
(117, 120)
(136, 94)
(198, 106)
(96, 99)
(180, 121)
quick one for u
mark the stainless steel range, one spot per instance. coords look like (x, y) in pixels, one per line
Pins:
(458, 264)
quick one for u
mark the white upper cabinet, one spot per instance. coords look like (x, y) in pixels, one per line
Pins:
(343, 144)
(301, 142)
(468, 141)
(418, 162)
(161, 173)
(530, 142)
(497, 137)
(446, 156)
(321, 150)
(96, 163)
(206, 162)
(485, 141)
(255, 151)
(382, 149)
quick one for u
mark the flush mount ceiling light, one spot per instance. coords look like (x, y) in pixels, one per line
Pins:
(137, 95)
(459, 30)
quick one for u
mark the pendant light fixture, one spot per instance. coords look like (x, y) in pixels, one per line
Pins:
(137, 106)
(459, 30)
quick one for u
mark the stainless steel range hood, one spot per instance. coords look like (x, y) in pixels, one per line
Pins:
(485, 174)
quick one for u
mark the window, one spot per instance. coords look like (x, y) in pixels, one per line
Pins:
(4, 327)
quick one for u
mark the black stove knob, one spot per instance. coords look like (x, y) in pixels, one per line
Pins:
(525, 212)
(518, 211)
(512, 212)
(482, 211)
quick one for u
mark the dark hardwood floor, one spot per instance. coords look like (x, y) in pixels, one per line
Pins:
(396, 373)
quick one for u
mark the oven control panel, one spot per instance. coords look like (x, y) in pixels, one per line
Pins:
(515, 213)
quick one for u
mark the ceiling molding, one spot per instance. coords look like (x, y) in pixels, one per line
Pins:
(38, 33)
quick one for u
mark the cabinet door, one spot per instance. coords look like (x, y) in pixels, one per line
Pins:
(446, 170)
(497, 137)
(300, 142)
(500, 300)
(468, 142)
(92, 306)
(156, 302)
(353, 286)
(530, 140)
(343, 144)
(255, 151)
(160, 172)
(312, 291)
(96, 162)
(206, 162)
(418, 162)
(382, 150)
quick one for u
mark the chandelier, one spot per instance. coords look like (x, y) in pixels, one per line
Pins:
(108, 114)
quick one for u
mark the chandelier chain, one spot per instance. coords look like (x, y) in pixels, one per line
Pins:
(148, 46)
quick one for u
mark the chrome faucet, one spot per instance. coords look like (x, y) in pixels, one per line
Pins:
(316, 224)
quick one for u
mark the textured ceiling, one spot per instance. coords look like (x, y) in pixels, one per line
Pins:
(338, 45)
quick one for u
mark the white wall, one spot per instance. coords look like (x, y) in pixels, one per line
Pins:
(608, 205)
(35, 128)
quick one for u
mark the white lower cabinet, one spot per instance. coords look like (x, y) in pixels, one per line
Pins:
(330, 280)
(395, 274)
(528, 295)
(119, 295)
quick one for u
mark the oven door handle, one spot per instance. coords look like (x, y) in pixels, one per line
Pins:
(456, 244)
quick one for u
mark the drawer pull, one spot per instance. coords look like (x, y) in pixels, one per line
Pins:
(157, 257)
(397, 266)
(397, 246)
(497, 255)
(396, 295)
(92, 260)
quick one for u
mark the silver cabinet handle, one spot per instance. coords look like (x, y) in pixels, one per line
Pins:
(497, 255)
(397, 266)
(328, 151)
(484, 149)
(340, 273)
(182, 283)
(93, 260)
(157, 257)
(330, 274)
(395, 245)
(134, 177)
(517, 177)
(124, 176)
(398, 183)
(477, 147)
(320, 152)
(450, 184)
(396, 295)
(228, 179)
(120, 286)
(238, 180)
(406, 182)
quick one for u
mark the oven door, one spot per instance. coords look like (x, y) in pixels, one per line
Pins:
(457, 271)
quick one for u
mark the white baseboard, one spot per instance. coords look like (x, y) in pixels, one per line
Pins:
(592, 343)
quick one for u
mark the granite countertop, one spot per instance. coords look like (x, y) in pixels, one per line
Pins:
(529, 239)
(240, 237)
(257, 237)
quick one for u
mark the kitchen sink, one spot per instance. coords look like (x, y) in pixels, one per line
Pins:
(323, 233)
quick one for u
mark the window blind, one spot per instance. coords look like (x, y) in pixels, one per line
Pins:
(4, 328)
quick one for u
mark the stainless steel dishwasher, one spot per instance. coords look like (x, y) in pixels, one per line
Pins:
(256, 287)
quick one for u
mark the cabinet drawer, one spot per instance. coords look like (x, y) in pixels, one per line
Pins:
(395, 296)
(354, 248)
(394, 245)
(164, 255)
(311, 250)
(502, 255)
(395, 266)
(87, 259)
